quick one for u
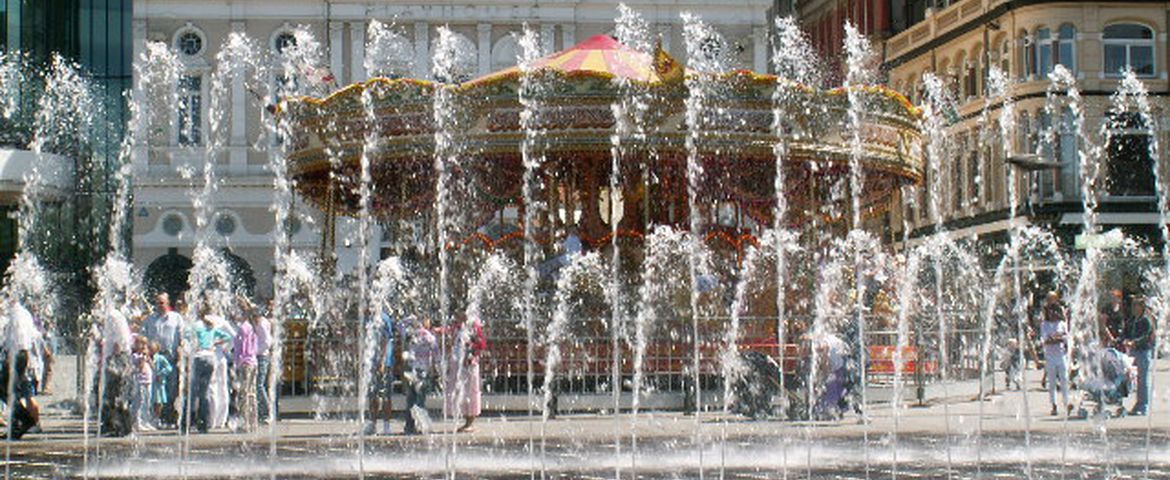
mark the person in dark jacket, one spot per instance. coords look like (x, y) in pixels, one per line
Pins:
(1139, 342)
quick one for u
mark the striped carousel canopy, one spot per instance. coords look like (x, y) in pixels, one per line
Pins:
(602, 56)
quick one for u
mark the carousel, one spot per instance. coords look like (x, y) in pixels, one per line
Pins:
(567, 128)
(576, 126)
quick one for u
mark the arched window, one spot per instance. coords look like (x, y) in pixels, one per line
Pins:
(974, 176)
(191, 44)
(1066, 47)
(972, 77)
(956, 179)
(190, 121)
(1128, 45)
(1067, 154)
(1043, 40)
(1005, 57)
(504, 53)
(960, 75)
(1028, 59)
(1048, 185)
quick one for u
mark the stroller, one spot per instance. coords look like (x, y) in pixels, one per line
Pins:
(1108, 383)
(755, 386)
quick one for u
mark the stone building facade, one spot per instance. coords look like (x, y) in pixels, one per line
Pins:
(1094, 40)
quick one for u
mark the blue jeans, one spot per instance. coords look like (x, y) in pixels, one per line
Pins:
(201, 369)
(1142, 359)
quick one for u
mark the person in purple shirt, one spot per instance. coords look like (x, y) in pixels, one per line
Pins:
(244, 358)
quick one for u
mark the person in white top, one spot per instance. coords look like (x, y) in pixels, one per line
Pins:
(1054, 336)
(21, 333)
(220, 390)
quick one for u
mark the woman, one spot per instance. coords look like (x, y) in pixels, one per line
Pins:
(220, 390)
(463, 379)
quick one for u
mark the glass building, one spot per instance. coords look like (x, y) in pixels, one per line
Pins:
(72, 235)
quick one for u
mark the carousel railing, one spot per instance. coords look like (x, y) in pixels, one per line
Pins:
(586, 364)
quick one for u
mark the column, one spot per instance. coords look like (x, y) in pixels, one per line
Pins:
(357, 45)
(484, 44)
(760, 49)
(238, 142)
(568, 35)
(238, 156)
(336, 50)
(140, 155)
(548, 35)
(422, 43)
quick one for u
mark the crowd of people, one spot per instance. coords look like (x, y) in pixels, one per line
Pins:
(420, 363)
(228, 368)
(1125, 336)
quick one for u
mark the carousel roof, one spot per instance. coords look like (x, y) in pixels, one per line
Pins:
(737, 147)
(602, 56)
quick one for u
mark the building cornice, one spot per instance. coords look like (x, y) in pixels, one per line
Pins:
(719, 12)
(982, 20)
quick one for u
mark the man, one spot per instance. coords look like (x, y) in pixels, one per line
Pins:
(204, 337)
(263, 330)
(383, 377)
(1138, 340)
(1054, 336)
(164, 326)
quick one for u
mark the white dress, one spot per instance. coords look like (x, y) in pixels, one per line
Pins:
(220, 391)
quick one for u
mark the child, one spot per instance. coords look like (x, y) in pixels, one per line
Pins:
(162, 371)
(143, 378)
(1011, 364)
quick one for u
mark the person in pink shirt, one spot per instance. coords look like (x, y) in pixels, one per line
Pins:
(244, 358)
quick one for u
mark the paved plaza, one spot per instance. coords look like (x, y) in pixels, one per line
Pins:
(953, 427)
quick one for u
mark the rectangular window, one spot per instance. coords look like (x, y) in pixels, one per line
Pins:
(1130, 171)
(1044, 59)
(1064, 56)
(957, 180)
(1141, 59)
(190, 122)
(973, 174)
(1114, 59)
